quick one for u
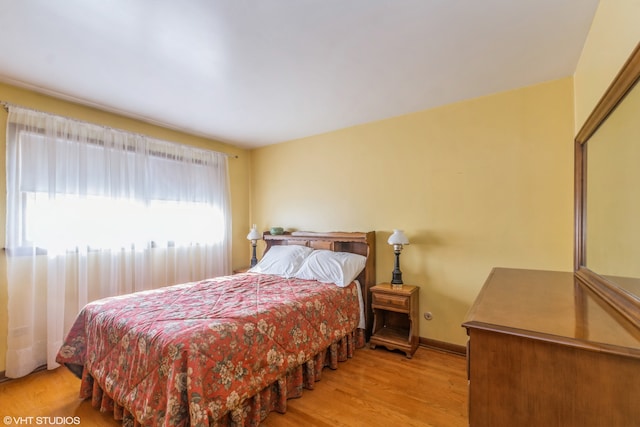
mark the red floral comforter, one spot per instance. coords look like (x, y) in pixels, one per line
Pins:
(188, 354)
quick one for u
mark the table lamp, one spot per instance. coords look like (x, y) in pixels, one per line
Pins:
(397, 239)
(254, 236)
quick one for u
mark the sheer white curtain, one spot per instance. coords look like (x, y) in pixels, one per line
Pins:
(95, 212)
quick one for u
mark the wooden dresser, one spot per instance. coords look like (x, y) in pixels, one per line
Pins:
(543, 350)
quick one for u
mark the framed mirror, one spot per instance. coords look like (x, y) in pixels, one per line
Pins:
(607, 195)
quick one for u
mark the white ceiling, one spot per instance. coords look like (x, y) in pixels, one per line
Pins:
(257, 72)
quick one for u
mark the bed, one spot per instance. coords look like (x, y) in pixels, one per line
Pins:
(227, 350)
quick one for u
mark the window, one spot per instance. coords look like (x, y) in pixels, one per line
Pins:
(68, 222)
(73, 194)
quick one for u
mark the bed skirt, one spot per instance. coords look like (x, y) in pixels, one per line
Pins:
(255, 409)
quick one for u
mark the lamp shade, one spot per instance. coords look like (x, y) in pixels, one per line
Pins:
(254, 234)
(398, 238)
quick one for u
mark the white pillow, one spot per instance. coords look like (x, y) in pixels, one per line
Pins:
(282, 260)
(327, 266)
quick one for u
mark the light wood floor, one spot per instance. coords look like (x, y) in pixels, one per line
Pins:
(375, 388)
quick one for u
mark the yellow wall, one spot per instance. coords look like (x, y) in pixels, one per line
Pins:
(614, 33)
(238, 172)
(481, 183)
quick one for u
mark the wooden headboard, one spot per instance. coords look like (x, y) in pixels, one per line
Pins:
(354, 242)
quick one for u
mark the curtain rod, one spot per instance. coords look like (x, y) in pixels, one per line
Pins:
(6, 105)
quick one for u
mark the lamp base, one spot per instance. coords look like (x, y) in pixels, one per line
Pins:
(254, 259)
(396, 283)
(396, 278)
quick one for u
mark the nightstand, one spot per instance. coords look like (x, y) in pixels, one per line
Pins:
(241, 270)
(395, 317)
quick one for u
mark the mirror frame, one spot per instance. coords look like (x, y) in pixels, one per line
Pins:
(627, 303)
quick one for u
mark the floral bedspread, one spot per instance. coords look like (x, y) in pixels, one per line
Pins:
(188, 354)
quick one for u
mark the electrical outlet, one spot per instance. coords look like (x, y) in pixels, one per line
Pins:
(428, 315)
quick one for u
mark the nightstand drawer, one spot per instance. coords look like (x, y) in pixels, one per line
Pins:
(398, 302)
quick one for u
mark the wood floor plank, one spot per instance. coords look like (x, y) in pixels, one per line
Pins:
(375, 388)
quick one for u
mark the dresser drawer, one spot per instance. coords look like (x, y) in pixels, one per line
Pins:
(393, 302)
